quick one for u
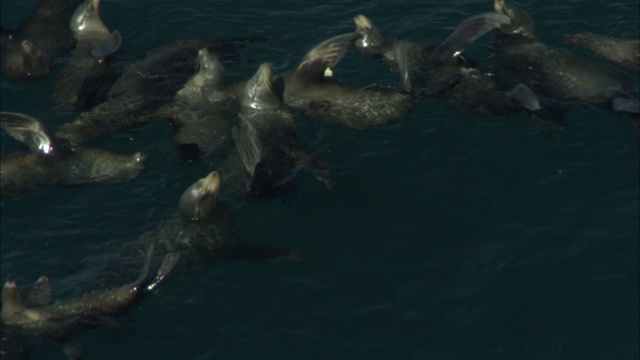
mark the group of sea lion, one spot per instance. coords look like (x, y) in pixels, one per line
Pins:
(250, 126)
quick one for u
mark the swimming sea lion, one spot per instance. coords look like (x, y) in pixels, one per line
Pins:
(198, 111)
(624, 52)
(51, 163)
(35, 323)
(144, 86)
(266, 142)
(554, 72)
(86, 77)
(202, 230)
(443, 69)
(318, 96)
(30, 51)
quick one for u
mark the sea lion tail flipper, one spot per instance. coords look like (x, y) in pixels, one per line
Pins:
(466, 33)
(326, 54)
(29, 131)
(40, 293)
(402, 60)
(247, 144)
(168, 262)
(107, 46)
(626, 105)
(524, 97)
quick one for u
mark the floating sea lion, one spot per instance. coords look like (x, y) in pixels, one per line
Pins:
(198, 111)
(552, 71)
(51, 163)
(30, 51)
(624, 52)
(268, 148)
(87, 77)
(309, 90)
(202, 231)
(145, 86)
(444, 71)
(31, 323)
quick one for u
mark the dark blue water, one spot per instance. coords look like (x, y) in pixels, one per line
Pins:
(447, 236)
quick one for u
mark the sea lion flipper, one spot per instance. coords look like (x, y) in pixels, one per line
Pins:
(466, 33)
(107, 46)
(247, 144)
(40, 293)
(168, 262)
(29, 131)
(402, 59)
(626, 105)
(524, 97)
(326, 54)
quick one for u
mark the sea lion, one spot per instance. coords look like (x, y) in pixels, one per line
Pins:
(198, 111)
(202, 230)
(30, 51)
(624, 52)
(443, 69)
(51, 163)
(34, 323)
(144, 86)
(552, 71)
(268, 150)
(309, 90)
(86, 77)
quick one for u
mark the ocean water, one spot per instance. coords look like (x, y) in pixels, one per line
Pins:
(446, 236)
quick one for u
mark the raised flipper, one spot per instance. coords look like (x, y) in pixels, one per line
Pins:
(466, 33)
(524, 97)
(168, 262)
(40, 292)
(550, 120)
(247, 145)
(107, 46)
(29, 131)
(326, 54)
(402, 59)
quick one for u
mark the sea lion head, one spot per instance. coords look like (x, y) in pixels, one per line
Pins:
(86, 19)
(199, 200)
(209, 70)
(24, 61)
(521, 22)
(11, 299)
(262, 91)
(371, 40)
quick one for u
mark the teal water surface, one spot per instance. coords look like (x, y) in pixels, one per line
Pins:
(446, 236)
